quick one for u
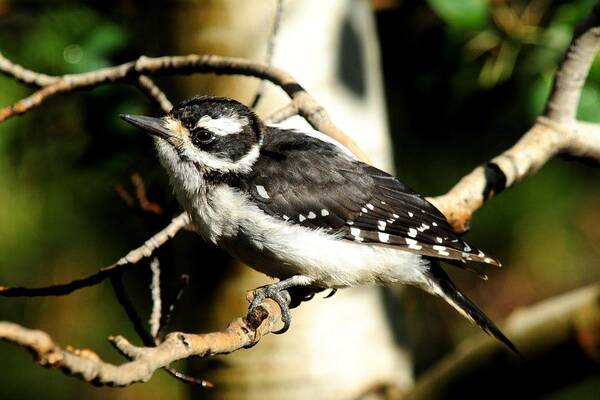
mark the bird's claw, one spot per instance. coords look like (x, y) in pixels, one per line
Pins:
(279, 296)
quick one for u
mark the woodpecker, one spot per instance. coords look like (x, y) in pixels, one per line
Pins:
(298, 206)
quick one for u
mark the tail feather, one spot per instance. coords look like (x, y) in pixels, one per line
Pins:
(445, 288)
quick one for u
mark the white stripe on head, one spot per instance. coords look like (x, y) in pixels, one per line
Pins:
(222, 126)
(244, 164)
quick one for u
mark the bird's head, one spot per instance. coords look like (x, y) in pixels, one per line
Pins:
(215, 134)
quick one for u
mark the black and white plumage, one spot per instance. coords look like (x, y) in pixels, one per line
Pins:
(352, 199)
(299, 207)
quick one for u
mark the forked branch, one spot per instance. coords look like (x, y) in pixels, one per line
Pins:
(557, 131)
(87, 365)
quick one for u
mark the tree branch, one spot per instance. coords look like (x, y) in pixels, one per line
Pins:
(146, 85)
(564, 330)
(574, 69)
(24, 75)
(555, 132)
(308, 108)
(270, 51)
(152, 91)
(285, 112)
(87, 365)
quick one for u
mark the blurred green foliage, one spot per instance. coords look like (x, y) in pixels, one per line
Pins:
(497, 32)
(471, 77)
(463, 14)
(83, 39)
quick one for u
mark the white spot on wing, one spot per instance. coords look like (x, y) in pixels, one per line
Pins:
(356, 233)
(412, 232)
(412, 244)
(438, 239)
(383, 237)
(364, 210)
(301, 217)
(423, 227)
(285, 217)
(441, 250)
(410, 214)
(324, 213)
(311, 215)
(262, 192)
(381, 225)
(370, 206)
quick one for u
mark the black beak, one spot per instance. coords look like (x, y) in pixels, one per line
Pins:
(154, 126)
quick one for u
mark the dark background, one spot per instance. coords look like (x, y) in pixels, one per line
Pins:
(463, 80)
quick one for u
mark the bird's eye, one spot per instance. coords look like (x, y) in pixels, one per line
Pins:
(201, 136)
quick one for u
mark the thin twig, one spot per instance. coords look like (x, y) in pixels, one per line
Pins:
(24, 75)
(190, 380)
(285, 112)
(124, 195)
(140, 194)
(155, 315)
(171, 302)
(121, 294)
(270, 51)
(150, 339)
(153, 91)
(132, 258)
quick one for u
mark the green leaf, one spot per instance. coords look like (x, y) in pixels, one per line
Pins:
(462, 14)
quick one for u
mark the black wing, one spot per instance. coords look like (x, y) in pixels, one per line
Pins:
(306, 181)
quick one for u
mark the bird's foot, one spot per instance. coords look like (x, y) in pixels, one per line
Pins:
(280, 296)
(279, 293)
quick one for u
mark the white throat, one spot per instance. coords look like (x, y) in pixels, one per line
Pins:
(187, 168)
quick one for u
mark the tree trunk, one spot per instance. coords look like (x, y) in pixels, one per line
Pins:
(340, 347)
